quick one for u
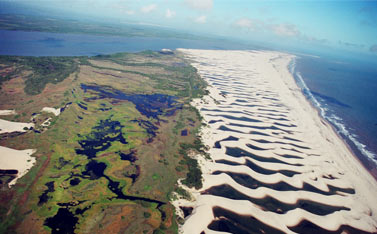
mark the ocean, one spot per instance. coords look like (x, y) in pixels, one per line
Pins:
(345, 93)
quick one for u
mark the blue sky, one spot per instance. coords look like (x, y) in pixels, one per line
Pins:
(342, 24)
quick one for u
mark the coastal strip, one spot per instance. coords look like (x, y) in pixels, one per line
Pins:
(276, 166)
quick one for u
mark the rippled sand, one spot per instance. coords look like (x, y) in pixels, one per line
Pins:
(276, 165)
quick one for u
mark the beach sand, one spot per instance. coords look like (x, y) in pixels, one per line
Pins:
(254, 99)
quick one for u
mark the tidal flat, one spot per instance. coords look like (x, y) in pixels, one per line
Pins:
(110, 155)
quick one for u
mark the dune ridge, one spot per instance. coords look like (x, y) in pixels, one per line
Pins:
(259, 124)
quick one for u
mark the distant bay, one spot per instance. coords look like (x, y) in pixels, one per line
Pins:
(59, 44)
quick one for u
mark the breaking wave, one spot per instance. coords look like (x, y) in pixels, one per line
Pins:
(335, 120)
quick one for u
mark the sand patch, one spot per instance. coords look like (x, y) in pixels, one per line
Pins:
(20, 160)
(9, 126)
(7, 112)
(52, 110)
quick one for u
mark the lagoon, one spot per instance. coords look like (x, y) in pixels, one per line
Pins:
(58, 44)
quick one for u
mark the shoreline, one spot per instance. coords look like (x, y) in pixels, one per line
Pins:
(336, 159)
(346, 144)
(357, 154)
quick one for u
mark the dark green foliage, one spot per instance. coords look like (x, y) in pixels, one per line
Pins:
(47, 70)
(179, 168)
(147, 215)
(158, 231)
(194, 174)
(182, 192)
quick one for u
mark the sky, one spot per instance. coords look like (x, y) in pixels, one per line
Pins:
(343, 24)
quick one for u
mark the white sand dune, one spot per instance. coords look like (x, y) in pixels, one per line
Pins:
(254, 99)
(7, 112)
(20, 160)
(52, 110)
(9, 126)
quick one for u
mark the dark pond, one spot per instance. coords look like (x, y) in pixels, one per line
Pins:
(128, 157)
(11, 172)
(63, 222)
(74, 181)
(100, 138)
(44, 197)
(95, 170)
(184, 132)
(82, 106)
(150, 105)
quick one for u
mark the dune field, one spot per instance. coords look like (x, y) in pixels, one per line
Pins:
(275, 165)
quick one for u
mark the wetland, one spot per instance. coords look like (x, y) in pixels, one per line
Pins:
(108, 162)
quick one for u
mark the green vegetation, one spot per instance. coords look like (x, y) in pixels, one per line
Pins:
(145, 168)
(44, 70)
(181, 79)
(194, 174)
(147, 215)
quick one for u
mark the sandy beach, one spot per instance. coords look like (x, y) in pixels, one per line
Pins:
(261, 128)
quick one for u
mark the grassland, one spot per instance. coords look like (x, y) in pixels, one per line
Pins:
(103, 160)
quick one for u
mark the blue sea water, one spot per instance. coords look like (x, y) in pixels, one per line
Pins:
(345, 92)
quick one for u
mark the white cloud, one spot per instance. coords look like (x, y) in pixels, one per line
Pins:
(285, 30)
(148, 8)
(200, 4)
(201, 19)
(130, 12)
(169, 13)
(248, 23)
(289, 30)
